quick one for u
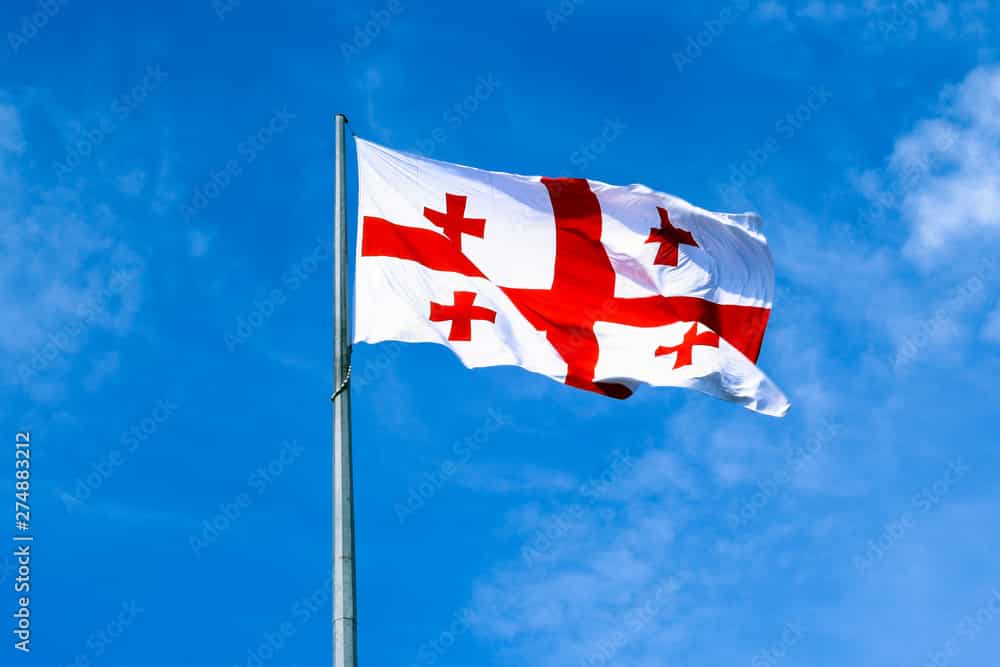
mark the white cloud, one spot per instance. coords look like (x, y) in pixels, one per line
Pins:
(514, 479)
(132, 182)
(597, 581)
(991, 332)
(114, 513)
(66, 275)
(199, 242)
(634, 573)
(923, 582)
(102, 367)
(608, 593)
(939, 16)
(771, 10)
(818, 10)
(884, 22)
(11, 137)
(944, 172)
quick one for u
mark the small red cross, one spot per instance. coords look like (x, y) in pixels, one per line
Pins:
(453, 221)
(461, 315)
(684, 350)
(670, 238)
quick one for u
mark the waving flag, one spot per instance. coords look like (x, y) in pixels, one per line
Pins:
(600, 287)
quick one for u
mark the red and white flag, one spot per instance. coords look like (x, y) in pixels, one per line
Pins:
(597, 286)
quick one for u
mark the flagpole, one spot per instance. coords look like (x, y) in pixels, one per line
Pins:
(344, 619)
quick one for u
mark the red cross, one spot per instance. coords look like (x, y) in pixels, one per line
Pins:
(670, 239)
(461, 315)
(453, 221)
(583, 287)
(685, 349)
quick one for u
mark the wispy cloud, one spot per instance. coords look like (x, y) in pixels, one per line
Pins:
(514, 479)
(944, 170)
(991, 331)
(883, 22)
(68, 274)
(606, 589)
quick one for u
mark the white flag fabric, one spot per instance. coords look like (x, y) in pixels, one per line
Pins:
(596, 286)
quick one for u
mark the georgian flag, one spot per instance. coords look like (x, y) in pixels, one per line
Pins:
(597, 286)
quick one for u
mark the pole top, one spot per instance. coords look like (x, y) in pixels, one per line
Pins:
(344, 116)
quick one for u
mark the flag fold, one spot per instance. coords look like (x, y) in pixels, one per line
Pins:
(600, 287)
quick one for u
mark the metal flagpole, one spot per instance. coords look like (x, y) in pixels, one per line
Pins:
(345, 635)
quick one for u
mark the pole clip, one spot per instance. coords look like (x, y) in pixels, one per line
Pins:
(347, 377)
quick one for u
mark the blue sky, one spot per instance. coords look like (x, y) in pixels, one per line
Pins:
(165, 214)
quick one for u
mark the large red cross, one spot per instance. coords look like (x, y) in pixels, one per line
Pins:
(583, 287)
(453, 220)
(670, 239)
(685, 350)
(461, 315)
